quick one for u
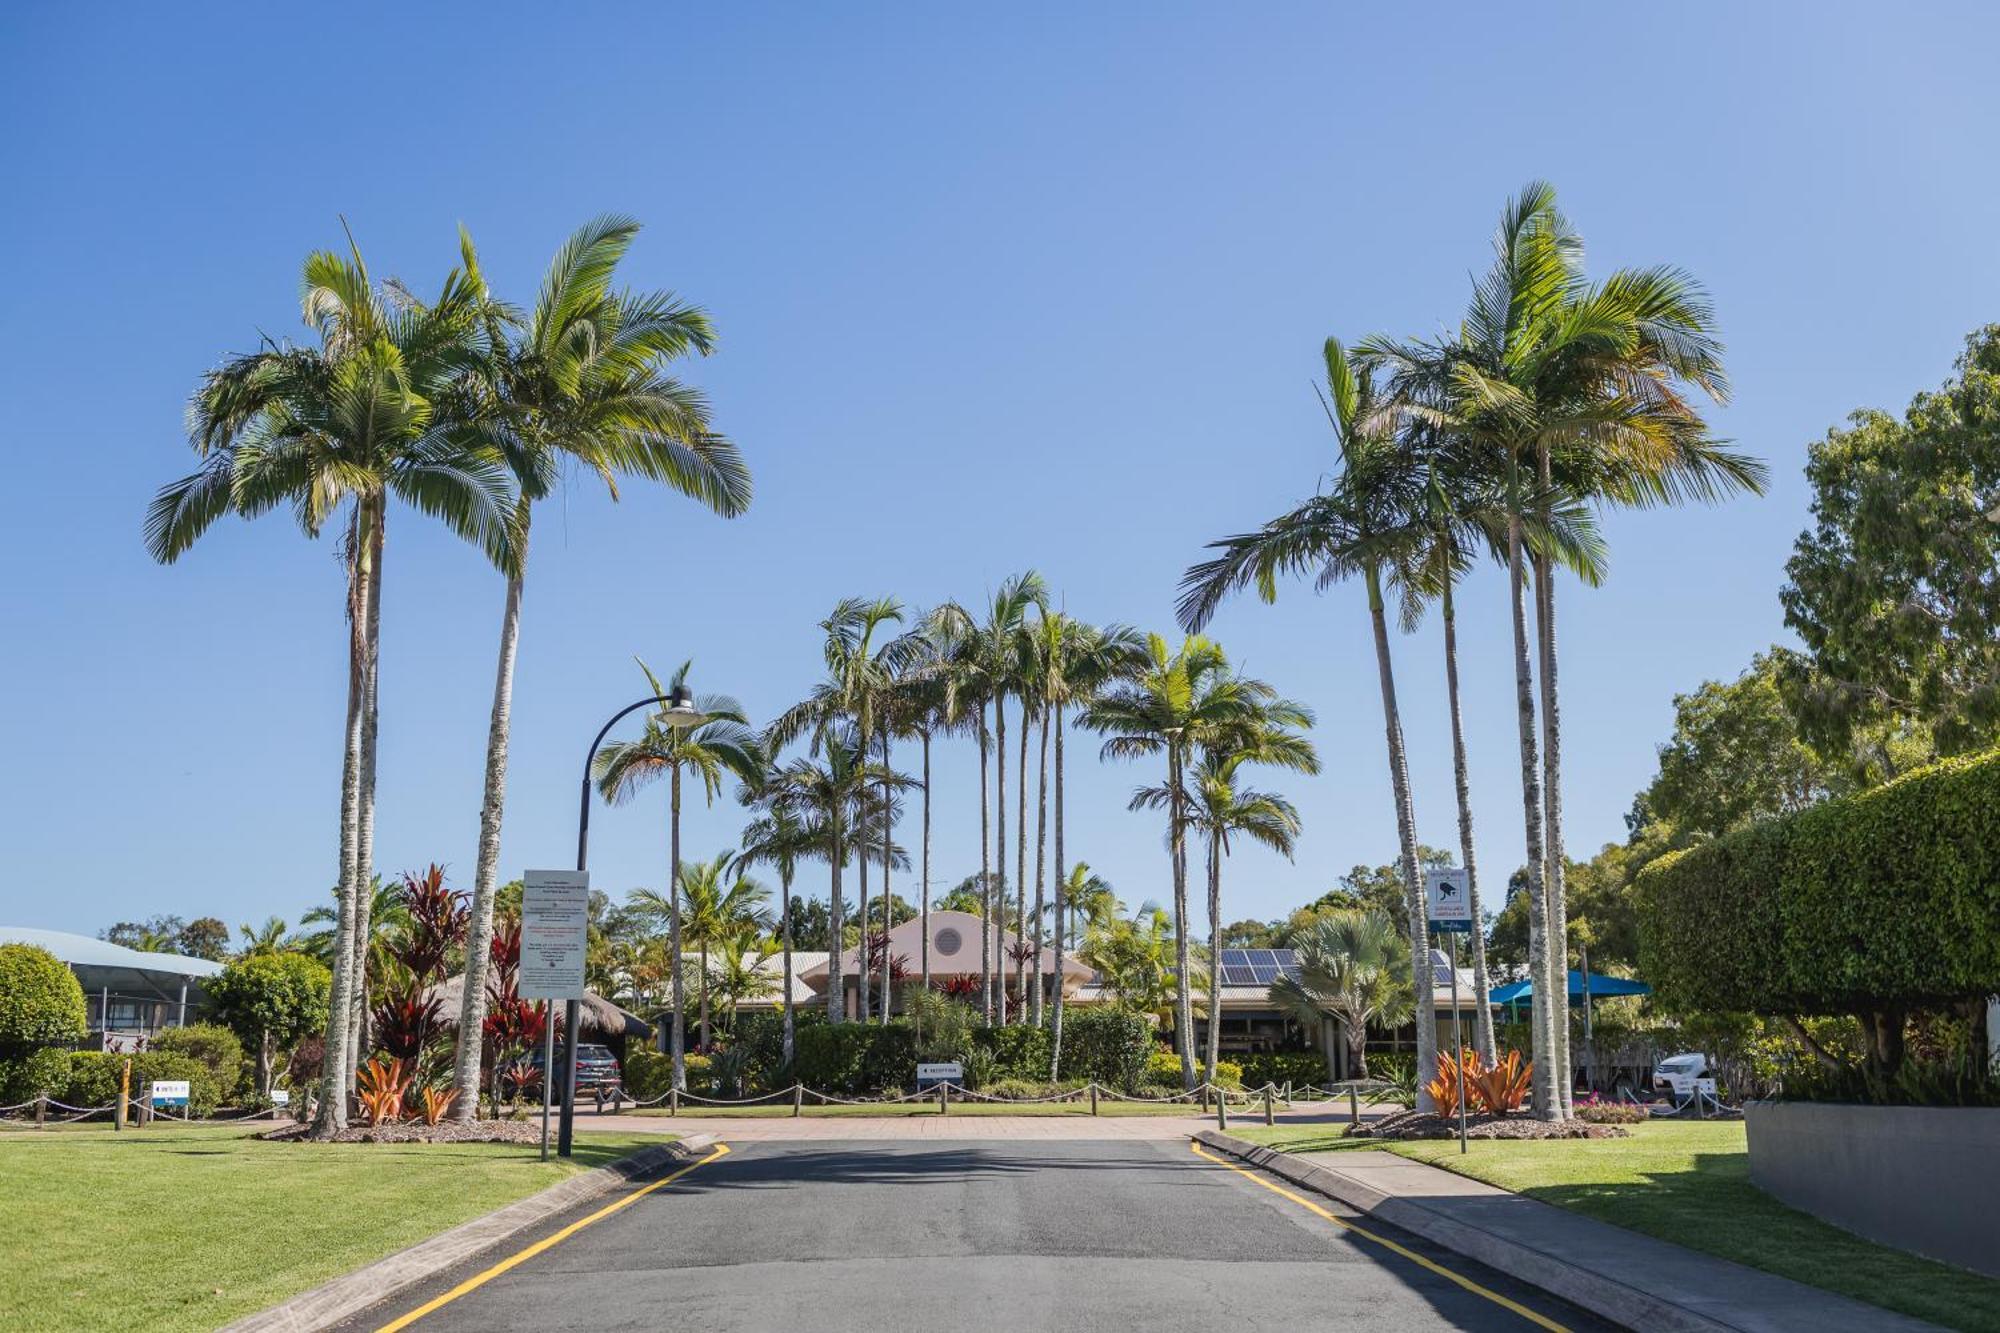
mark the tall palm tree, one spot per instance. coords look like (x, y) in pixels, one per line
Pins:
(1137, 958)
(371, 412)
(718, 746)
(715, 912)
(1184, 701)
(1367, 523)
(779, 838)
(985, 665)
(924, 708)
(584, 381)
(823, 790)
(1352, 968)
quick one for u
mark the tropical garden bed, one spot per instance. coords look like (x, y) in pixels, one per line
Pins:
(1431, 1125)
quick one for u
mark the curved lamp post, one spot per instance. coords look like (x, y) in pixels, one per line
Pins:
(679, 712)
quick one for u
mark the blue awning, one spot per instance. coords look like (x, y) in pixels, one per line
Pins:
(1514, 992)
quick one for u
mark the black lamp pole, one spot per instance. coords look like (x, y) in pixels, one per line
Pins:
(677, 699)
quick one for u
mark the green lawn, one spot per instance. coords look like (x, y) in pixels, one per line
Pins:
(892, 1109)
(1690, 1183)
(191, 1227)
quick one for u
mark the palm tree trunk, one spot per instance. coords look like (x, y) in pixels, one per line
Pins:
(1422, 977)
(1540, 1028)
(1482, 1033)
(1041, 867)
(332, 1117)
(997, 902)
(486, 873)
(1556, 915)
(364, 845)
(1062, 879)
(925, 900)
(677, 1038)
(888, 851)
(836, 998)
(861, 863)
(1021, 872)
(785, 940)
(985, 886)
(1183, 992)
(1214, 956)
(705, 1045)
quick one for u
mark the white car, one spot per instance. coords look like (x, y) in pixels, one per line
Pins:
(1675, 1068)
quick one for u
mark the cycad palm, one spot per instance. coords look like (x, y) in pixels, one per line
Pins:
(377, 409)
(1352, 966)
(583, 382)
(719, 747)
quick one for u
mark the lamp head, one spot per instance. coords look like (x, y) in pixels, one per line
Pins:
(680, 710)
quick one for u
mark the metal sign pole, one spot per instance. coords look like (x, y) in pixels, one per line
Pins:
(548, 1068)
(1458, 1039)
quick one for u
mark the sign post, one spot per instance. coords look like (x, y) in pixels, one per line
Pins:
(1449, 907)
(555, 932)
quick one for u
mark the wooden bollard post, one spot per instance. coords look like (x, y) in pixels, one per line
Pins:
(944, 1099)
(124, 1091)
(1093, 1096)
(1221, 1111)
(673, 1101)
(1353, 1105)
(42, 1111)
(1204, 1097)
(798, 1100)
(1270, 1116)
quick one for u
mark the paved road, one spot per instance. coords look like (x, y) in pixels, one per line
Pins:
(1113, 1234)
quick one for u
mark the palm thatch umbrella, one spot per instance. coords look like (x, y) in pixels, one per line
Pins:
(601, 1020)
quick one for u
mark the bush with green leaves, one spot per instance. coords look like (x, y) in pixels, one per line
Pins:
(41, 1003)
(216, 1047)
(271, 1001)
(1299, 1068)
(1106, 1044)
(1163, 1070)
(94, 1078)
(648, 1073)
(854, 1058)
(40, 1073)
(1877, 904)
(1019, 1051)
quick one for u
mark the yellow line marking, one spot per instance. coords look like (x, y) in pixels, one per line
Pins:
(478, 1280)
(1405, 1251)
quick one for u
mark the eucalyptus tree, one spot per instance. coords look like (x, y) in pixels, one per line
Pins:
(984, 664)
(581, 381)
(1185, 700)
(780, 838)
(717, 746)
(717, 909)
(374, 411)
(1367, 523)
(1351, 967)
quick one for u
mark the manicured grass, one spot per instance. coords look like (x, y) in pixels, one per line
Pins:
(1690, 1184)
(190, 1227)
(900, 1109)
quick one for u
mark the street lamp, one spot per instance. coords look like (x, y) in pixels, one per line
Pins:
(680, 713)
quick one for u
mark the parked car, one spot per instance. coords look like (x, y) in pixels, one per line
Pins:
(1692, 1064)
(596, 1068)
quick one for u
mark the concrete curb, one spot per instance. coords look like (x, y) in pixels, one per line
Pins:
(351, 1293)
(1598, 1292)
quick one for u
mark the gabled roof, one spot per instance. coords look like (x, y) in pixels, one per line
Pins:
(83, 951)
(955, 949)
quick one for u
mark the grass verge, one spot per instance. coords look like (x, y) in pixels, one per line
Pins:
(1690, 1184)
(191, 1227)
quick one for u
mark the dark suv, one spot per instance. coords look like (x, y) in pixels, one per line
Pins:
(596, 1069)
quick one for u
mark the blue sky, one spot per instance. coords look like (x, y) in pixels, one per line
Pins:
(1030, 286)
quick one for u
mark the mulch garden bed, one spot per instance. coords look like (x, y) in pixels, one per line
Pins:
(1427, 1125)
(415, 1131)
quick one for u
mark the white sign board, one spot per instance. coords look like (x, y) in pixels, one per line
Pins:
(948, 1071)
(281, 1097)
(1705, 1085)
(555, 927)
(1449, 905)
(168, 1092)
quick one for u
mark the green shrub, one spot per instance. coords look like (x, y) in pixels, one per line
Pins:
(1106, 1044)
(216, 1047)
(40, 1072)
(1612, 1113)
(1163, 1070)
(853, 1058)
(648, 1073)
(1229, 1074)
(1301, 1068)
(1019, 1052)
(1021, 1089)
(700, 1078)
(94, 1078)
(41, 1003)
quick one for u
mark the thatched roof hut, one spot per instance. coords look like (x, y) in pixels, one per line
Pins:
(601, 1020)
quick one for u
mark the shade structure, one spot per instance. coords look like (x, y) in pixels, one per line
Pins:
(600, 1018)
(1515, 992)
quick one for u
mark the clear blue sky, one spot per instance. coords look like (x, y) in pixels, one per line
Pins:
(1039, 285)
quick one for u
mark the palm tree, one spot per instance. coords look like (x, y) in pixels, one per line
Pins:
(823, 790)
(780, 839)
(985, 662)
(714, 914)
(583, 381)
(1137, 959)
(267, 938)
(1185, 700)
(739, 972)
(1351, 966)
(1367, 523)
(1089, 899)
(719, 746)
(372, 412)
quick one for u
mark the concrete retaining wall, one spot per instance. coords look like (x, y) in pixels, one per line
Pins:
(1923, 1179)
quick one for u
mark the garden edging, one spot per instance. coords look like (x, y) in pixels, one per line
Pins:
(1733, 1299)
(350, 1293)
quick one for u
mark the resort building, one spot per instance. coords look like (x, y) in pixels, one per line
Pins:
(132, 996)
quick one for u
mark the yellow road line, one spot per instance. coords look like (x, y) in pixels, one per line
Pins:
(478, 1280)
(1405, 1251)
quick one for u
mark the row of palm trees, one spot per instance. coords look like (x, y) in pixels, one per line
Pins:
(468, 410)
(1555, 397)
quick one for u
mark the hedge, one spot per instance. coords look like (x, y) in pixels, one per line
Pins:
(38, 1073)
(1107, 1045)
(216, 1047)
(94, 1078)
(1874, 902)
(41, 1003)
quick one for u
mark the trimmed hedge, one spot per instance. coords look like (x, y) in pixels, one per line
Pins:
(1106, 1045)
(94, 1078)
(41, 1003)
(38, 1073)
(1872, 902)
(1302, 1068)
(216, 1047)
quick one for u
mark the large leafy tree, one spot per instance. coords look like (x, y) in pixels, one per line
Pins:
(374, 410)
(715, 747)
(271, 999)
(581, 381)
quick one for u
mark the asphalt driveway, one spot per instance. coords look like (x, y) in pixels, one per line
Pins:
(935, 1235)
